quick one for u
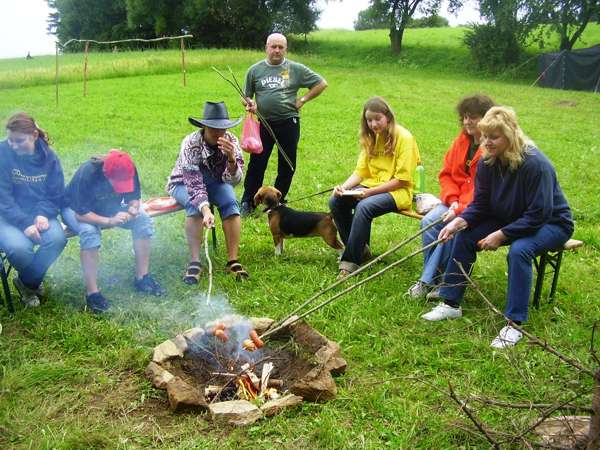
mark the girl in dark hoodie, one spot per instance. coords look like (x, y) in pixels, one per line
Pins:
(31, 191)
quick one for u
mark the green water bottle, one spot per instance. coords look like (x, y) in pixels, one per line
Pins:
(419, 186)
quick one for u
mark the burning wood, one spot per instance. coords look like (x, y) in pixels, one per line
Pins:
(222, 370)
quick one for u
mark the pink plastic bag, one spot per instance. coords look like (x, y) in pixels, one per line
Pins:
(251, 135)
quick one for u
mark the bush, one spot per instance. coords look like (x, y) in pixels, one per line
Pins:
(493, 48)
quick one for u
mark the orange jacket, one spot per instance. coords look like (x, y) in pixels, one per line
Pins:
(456, 183)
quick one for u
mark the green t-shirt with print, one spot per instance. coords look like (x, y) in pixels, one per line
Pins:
(276, 87)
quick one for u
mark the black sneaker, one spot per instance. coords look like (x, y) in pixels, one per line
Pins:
(97, 303)
(29, 296)
(246, 209)
(148, 285)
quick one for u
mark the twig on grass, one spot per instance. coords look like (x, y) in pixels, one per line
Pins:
(544, 416)
(533, 338)
(530, 406)
(210, 268)
(471, 416)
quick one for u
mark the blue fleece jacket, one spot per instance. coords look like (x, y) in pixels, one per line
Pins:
(90, 191)
(523, 200)
(30, 185)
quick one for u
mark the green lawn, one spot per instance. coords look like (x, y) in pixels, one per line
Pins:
(71, 380)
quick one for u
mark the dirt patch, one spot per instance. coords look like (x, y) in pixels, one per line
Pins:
(567, 103)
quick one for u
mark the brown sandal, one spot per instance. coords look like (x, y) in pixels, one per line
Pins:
(236, 269)
(193, 272)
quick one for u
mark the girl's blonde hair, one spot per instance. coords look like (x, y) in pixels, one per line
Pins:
(368, 137)
(504, 120)
(22, 122)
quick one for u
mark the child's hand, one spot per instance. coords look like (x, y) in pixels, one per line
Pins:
(338, 191)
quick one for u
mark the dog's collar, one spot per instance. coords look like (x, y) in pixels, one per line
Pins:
(268, 210)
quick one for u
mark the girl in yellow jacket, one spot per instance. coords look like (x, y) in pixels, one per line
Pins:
(382, 181)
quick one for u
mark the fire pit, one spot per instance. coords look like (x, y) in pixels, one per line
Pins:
(223, 368)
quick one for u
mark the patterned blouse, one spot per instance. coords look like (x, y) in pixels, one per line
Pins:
(195, 157)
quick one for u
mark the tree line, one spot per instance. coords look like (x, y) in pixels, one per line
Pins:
(495, 44)
(498, 42)
(213, 23)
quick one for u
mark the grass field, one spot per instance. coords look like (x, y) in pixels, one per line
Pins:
(71, 380)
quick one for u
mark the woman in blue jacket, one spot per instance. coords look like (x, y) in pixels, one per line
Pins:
(31, 189)
(517, 202)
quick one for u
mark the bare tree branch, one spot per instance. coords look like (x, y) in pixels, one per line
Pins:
(564, 407)
(471, 416)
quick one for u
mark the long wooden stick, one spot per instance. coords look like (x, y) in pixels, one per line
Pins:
(361, 269)
(293, 319)
(261, 118)
(85, 66)
(183, 60)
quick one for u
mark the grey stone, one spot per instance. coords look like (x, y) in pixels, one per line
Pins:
(165, 351)
(273, 407)
(183, 396)
(316, 386)
(330, 357)
(261, 324)
(235, 412)
(159, 376)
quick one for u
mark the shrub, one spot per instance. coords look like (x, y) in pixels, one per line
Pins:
(493, 48)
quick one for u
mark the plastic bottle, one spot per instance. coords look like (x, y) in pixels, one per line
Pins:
(419, 186)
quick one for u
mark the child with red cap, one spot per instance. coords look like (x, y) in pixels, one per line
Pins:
(104, 193)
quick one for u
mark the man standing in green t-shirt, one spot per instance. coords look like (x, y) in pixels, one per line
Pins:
(275, 82)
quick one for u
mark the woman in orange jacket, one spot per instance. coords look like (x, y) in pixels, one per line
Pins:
(456, 182)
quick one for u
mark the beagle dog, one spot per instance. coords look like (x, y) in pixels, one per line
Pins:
(286, 222)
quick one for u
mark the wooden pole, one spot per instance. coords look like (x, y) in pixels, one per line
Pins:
(183, 60)
(85, 64)
(56, 73)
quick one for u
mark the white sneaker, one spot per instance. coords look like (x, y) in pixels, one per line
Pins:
(441, 312)
(418, 290)
(508, 337)
(433, 295)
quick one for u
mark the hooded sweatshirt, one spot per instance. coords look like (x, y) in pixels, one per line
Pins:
(30, 185)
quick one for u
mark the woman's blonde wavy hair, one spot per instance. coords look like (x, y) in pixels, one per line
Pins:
(368, 137)
(504, 120)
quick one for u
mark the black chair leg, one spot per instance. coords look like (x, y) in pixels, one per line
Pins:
(539, 282)
(4, 275)
(557, 264)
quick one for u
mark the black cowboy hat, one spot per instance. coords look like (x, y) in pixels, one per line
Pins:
(215, 116)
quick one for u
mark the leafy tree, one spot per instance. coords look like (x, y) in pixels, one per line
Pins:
(88, 19)
(499, 43)
(434, 21)
(219, 23)
(374, 17)
(568, 18)
(398, 14)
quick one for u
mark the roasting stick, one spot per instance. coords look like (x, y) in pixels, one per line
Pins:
(239, 90)
(348, 289)
(210, 274)
(356, 272)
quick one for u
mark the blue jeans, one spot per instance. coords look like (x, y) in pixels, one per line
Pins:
(353, 219)
(90, 236)
(435, 258)
(219, 193)
(32, 264)
(519, 258)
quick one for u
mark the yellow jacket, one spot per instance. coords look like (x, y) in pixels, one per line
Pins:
(401, 165)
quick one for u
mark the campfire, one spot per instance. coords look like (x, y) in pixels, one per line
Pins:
(225, 368)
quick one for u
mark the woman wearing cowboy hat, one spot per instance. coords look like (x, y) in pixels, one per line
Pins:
(209, 164)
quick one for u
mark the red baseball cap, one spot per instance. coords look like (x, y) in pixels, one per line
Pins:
(120, 170)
